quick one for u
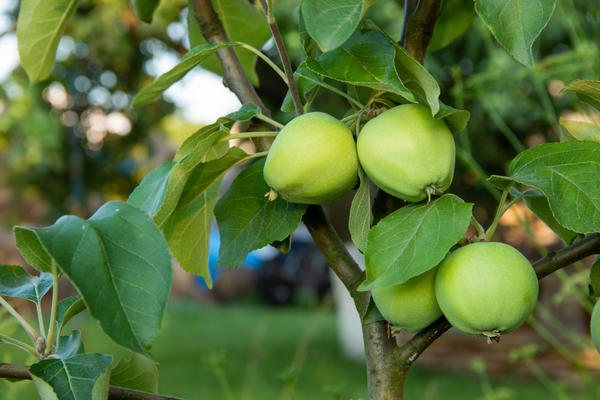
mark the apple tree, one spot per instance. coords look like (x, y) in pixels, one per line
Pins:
(424, 273)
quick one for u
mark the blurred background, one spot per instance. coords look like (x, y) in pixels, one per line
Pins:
(280, 328)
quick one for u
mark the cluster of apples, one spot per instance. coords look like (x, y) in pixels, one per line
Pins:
(483, 289)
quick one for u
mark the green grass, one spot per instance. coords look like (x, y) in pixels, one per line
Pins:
(251, 352)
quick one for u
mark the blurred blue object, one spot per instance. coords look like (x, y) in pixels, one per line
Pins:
(254, 260)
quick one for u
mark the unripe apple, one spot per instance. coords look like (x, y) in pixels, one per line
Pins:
(312, 160)
(486, 289)
(411, 305)
(407, 153)
(595, 326)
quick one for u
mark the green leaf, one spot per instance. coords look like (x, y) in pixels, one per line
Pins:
(83, 376)
(567, 173)
(366, 59)
(243, 22)
(16, 282)
(120, 264)
(248, 220)
(305, 81)
(455, 18)
(144, 9)
(137, 373)
(516, 23)
(372, 314)
(68, 308)
(194, 57)
(595, 277)
(284, 245)
(579, 130)
(70, 345)
(414, 239)
(361, 218)
(538, 204)
(149, 194)
(413, 74)
(587, 91)
(188, 231)
(40, 25)
(199, 144)
(331, 22)
(456, 119)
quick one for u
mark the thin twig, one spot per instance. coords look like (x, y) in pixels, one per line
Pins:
(28, 328)
(21, 372)
(287, 67)
(52, 326)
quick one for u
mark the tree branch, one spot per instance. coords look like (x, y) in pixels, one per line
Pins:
(419, 20)
(21, 372)
(587, 246)
(287, 67)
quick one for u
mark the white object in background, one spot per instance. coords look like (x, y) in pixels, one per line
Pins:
(348, 320)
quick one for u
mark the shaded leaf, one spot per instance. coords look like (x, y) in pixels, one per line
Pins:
(516, 23)
(83, 376)
(414, 239)
(331, 22)
(137, 373)
(40, 26)
(365, 59)
(144, 9)
(243, 22)
(361, 218)
(68, 308)
(306, 80)
(456, 119)
(595, 277)
(70, 345)
(16, 282)
(587, 91)
(538, 204)
(455, 18)
(120, 264)
(248, 220)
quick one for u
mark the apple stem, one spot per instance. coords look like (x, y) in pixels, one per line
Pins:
(271, 195)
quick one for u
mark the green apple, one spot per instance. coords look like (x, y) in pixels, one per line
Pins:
(486, 289)
(312, 160)
(411, 305)
(407, 153)
(595, 326)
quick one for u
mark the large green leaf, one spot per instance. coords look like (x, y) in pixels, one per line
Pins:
(569, 175)
(365, 59)
(361, 218)
(588, 91)
(414, 239)
(248, 220)
(120, 264)
(516, 23)
(80, 377)
(455, 18)
(331, 22)
(538, 204)
(243, 22)
(193, 58)
(144, 9)
(16, 282)
(40, 25)
(137, 373)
